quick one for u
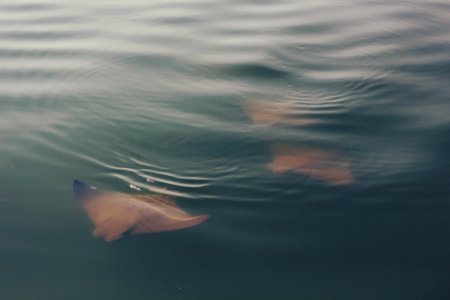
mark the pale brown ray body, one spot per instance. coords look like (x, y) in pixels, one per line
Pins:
(115, 214)
(274, 113)
(316, 163)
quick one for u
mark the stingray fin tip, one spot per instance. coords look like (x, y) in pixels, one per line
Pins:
(203, 218)
(80, 188)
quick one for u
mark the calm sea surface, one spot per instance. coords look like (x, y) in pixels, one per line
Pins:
(149, 97)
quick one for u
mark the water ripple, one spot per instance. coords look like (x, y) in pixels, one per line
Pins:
(149, 97)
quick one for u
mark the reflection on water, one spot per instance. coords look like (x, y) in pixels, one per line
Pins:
(260, 113)
(275, 113)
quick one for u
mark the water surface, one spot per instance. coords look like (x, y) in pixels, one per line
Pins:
(150, 93)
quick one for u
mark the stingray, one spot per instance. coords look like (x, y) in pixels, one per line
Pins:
(319, 164)
(117, 214)
(275, 113)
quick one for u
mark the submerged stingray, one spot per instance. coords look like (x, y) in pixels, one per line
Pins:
(115, 214)
(316, 163)
(274, 113)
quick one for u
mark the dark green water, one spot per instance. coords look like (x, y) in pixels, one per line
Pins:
(150, 93)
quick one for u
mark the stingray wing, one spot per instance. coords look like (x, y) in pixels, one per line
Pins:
(111, 213)
(316, 163)
(159, 213)
(167, 223)
(157, 200)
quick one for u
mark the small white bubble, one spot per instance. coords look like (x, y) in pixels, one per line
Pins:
(134, 187)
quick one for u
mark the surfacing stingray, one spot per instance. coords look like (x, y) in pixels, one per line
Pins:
(275, 113)
(115, 214)
(316, 163)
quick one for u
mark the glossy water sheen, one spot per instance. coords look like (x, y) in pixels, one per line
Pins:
(147, 95)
